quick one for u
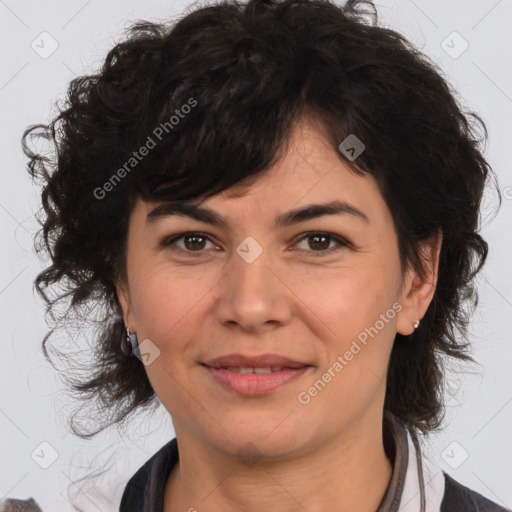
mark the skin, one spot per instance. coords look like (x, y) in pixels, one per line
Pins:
(324, 455)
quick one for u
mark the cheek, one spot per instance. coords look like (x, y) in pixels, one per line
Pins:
(348, 300)
(358, 309)
(357, 350)
(169, 313)
(165, 302)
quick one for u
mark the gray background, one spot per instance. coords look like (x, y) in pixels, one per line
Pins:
(33, 409)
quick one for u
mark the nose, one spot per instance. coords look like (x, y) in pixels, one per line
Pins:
(253, 295)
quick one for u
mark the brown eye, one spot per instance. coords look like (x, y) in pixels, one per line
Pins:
(192, 243)
(320, 242)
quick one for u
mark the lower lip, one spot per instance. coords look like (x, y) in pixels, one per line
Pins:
(255, 383)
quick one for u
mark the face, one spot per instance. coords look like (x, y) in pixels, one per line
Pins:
(324, 291)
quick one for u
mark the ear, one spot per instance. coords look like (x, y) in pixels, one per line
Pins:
(123, 295)
(417, 292)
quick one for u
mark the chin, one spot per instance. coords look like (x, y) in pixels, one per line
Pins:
(269, 438)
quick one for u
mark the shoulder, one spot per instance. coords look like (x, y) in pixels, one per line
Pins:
(14, 505)
(151, 475)
(458, 497)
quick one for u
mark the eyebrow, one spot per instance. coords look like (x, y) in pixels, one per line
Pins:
(208, 216)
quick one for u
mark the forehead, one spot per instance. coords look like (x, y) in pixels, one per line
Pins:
(306, 157)
(309, 171)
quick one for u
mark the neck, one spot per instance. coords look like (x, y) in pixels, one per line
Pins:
(346, 473)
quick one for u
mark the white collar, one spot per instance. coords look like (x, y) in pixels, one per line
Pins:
(428, 496)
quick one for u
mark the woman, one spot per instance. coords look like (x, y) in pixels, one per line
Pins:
(277, 205)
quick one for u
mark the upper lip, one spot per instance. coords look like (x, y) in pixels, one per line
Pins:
(258, 361)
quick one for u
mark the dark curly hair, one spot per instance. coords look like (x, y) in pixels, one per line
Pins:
(216, 94)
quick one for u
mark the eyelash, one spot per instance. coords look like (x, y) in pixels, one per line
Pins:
(342, 243)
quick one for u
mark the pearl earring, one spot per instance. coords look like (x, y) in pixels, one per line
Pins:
(416, 324)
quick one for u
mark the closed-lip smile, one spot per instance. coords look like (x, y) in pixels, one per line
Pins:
(257, 361)
(254, 374)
